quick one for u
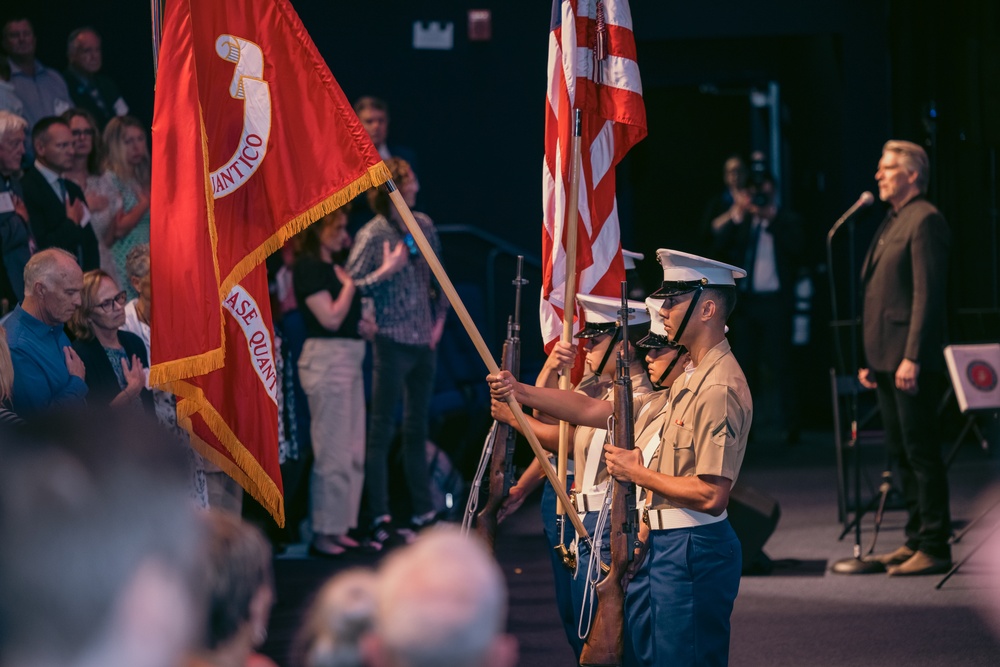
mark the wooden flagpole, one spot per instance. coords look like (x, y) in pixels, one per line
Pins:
(569, 297)
(484, 351)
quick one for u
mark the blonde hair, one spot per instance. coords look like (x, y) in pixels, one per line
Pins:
(79, 324)
(344, 611)
(114, 147)
(6, 368)
(914, 158)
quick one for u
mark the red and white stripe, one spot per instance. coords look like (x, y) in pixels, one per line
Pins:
(614, 120)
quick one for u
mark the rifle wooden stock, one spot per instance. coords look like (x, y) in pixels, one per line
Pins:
(605, 643)
(504, 437)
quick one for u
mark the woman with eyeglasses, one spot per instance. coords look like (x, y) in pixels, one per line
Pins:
(103, 199)
(127, 164)
(115, 359)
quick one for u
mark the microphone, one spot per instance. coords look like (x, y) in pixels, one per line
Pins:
(866, 199)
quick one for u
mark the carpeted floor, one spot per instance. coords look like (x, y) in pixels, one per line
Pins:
(800, 614)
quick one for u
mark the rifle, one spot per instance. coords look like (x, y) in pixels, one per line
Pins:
(501, 472)
(605, 642)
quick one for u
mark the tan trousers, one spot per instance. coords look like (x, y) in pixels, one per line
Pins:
(330, 373)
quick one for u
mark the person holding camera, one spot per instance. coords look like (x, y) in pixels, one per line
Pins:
(768, 241)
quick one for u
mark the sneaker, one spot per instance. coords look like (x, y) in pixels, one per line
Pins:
(384, 536)
(418, 523)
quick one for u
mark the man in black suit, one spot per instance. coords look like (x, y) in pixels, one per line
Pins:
(56, 206)
(904, 277)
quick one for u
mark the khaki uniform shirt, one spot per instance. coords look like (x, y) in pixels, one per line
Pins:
(587, 440)
(706, 424)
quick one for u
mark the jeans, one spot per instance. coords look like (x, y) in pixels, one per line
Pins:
(407, 372)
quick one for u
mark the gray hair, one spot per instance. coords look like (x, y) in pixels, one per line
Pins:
(914, 158)
(137, 262)
(71, 40)
(11, 122)
(442, 601)
(344, 611)
(43, 266)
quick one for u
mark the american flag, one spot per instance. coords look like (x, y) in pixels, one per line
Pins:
(592, 67)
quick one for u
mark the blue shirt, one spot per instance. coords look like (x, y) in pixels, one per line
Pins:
(41, 378)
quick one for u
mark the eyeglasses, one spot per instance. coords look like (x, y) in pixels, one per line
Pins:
(108, 304)
(89, 132)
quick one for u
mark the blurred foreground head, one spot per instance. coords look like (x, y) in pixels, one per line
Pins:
(442, 602)
(337, 621)
(99, 545)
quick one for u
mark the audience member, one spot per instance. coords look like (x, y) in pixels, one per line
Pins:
(15, 235)
(90, 89)
(128, 165)
(9, 101)
(240, 589)
(734, 177)
(164, 403)
(115, 358)
(98, 547)
(330, 373)
(47, 371)
(103, 199)
(374, 116)
(337, 621)
(58, 211)
(41, 90)
(769, 242)
(410, 311)
(7, 416)
(441, 602)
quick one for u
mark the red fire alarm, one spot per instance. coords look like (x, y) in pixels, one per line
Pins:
(480, 25)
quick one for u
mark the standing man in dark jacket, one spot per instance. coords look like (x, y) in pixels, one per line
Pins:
(904, 276)
(58, 211)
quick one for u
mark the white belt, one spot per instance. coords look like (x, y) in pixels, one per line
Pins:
(588, 502)
(679, 517)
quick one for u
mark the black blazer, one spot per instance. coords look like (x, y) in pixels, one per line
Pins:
(49, 224)
(905, 277)
(102, 383)
(732, 245)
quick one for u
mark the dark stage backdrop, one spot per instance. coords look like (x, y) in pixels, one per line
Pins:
(852, 74)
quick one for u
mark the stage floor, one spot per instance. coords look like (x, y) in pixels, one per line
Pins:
(800, 613)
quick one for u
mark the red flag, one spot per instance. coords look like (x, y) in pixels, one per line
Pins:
(592, 68)
(252, 141)
(228, 410)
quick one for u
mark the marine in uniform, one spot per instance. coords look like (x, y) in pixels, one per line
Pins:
(689, 448)
(679, 602)
(587, 480)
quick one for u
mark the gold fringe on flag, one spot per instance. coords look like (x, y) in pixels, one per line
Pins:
(376, 175)
(244, 468)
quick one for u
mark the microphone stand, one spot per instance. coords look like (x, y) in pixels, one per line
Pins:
(855, 564)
